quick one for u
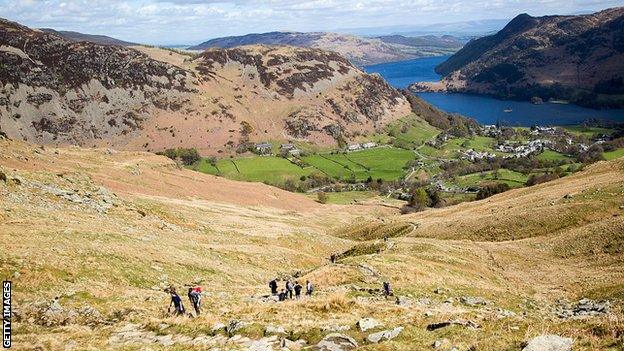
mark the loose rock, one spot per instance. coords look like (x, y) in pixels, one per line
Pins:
(336, 342)
(549, 343)
(368, 323)
(385, 335)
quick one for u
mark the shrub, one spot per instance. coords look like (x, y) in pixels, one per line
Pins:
(491, 189)
(322, 197)
(591, 155)
(543, 178)
(187, 156)
(419, 199)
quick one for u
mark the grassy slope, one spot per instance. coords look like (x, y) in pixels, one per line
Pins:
(512, 178)
(612, 155)
(587, 131)
(175, 226)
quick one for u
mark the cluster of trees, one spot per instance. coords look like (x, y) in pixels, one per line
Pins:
(422, 197)
(187, 156)
(523, 165)
(491, 189)
(542, 178)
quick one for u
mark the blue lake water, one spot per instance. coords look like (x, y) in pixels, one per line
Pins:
(485, 109)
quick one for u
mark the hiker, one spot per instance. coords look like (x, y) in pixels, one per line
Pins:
(282, 295)
(194, 295)
(298, 289)
(387, 290)
(176, 302)
(309, 288)
(332, 258)
(273, 286)
(289, 288)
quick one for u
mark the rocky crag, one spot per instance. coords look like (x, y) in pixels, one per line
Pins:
(61, 92)
(575, 58)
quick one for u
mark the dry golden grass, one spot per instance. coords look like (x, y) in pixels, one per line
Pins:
(172, 226)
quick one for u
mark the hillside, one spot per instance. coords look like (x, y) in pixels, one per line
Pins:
(361, 51)
(576, 58)
(59, 92)
(105, 233)
(92, 38)
(443, 41)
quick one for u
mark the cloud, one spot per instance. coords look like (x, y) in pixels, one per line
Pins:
(192, 21)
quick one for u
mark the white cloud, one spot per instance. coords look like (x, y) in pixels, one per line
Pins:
(191, 21)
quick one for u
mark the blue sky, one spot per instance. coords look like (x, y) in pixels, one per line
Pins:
(192, 21)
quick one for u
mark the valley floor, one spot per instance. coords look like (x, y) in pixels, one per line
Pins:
(91, 238)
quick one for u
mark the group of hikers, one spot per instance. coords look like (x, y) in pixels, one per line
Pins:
(291, 290)
(194, 295)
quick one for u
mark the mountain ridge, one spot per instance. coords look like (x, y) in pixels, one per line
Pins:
(143, 98)
(359, 50)
(576, 58)
(93, 38)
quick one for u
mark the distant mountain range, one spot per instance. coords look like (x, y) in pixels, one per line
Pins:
(97, 39)
(459, 29)
(359, 50)
(574, 58)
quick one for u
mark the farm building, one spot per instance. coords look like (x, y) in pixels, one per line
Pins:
(263, 148)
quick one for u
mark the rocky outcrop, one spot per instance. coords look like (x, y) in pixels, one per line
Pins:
(384, 335)
(575, 58)
(368, 323)
(336, 342)
(56, 91)
(549, 343)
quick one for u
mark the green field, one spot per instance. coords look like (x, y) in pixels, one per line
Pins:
(612, 155)
(269, 169)
(346, 197)
(511, 178)
(549, 155)
(587, 131)
(384, 163)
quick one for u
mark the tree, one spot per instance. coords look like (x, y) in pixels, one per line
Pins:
(213, 161)
(187, 156)
(419, 198)
(322, 197)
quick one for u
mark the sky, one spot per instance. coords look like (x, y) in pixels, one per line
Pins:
(168, 22)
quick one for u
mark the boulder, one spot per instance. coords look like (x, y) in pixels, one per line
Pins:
(261, 345)
(336, 342)
(336, 328)
(473, 300)
(293, 345)
(385, 335)
(403, 301)
(218, 327)
(442, 344)
(368, 323)
(272, 329)
(549, 343)
(234, 326)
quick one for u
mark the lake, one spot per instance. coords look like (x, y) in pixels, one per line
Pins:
(485, 109)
